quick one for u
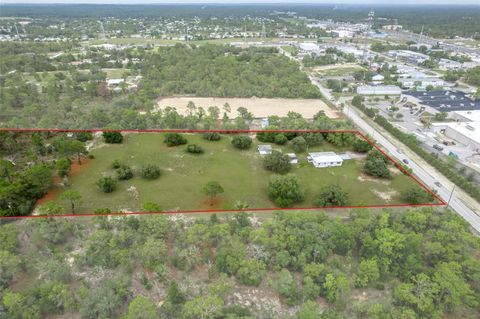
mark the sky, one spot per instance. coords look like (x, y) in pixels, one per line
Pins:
(383, 2)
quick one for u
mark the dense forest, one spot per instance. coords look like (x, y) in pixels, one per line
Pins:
(224, 71)
(419, 263)
(58, 94)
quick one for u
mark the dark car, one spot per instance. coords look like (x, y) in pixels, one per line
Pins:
(405, 161)
(437, 147)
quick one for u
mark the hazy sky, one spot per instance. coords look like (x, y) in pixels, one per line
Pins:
(457, 2)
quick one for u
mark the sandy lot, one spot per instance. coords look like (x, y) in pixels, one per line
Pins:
(258, 106)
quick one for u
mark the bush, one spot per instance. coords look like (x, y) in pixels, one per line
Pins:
(211, 136)
(194, 149)
(277, 162)
(174, 139)
(416, 195)
(107, 184)
(124, 172)
(361, 146)
(113, 137)
(116, 164)
(331, 195)
(281, 139)
(299, 144)
(284, 191)
(376, 167)
(84, 136)
(150, 172)
(241, 142)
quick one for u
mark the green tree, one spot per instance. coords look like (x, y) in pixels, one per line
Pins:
(174, 139)
(285, 285)
(63, 166)
(72, 197)
(212, 189)
(251, 272)
(368, 272)
(112, 137)
(416, 195)
(337, 288)
(277, 162)
(331, 195)
(241, 142)
(299, 144)
(285, 190)
(141, 308)
(107, 184)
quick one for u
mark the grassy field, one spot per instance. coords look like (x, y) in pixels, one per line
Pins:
(240, 172)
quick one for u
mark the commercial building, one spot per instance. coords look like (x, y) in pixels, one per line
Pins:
(409, 83)
(342, 33)
(409, 56)
(379, 90)
(466, 133)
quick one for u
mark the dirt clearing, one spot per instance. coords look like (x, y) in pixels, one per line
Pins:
(259, 107)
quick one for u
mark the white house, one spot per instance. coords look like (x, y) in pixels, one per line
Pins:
(265, 149)
(324, 159)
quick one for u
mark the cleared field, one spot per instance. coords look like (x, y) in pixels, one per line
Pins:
(240, 172)
(260, 107)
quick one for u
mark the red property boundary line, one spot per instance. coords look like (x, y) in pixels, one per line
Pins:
(361, 135)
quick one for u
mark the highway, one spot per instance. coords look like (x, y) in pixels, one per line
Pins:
(428, 177)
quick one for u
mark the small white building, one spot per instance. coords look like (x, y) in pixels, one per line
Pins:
(324, 159)
(378, 78)
(293, 158)
(264, 122)
(342, 33)
(423, 82)
(265, 149)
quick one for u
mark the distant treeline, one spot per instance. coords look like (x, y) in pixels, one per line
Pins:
(438, 21)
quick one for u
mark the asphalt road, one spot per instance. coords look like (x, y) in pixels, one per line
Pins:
(420, 172)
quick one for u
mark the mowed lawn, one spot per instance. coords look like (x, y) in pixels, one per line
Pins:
(240, 172)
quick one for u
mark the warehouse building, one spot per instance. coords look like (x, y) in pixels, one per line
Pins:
(379, 90)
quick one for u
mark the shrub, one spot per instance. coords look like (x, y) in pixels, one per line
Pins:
(211, 136)
(277, 162)
(150, 172)
(113, 137)
(116, 164)
(107, 184)
(280, 139)
(376, 167)
(174, 139)
(241, 141)
(194, 149)
(284, 191)
(331, 195)
(124, 172)
(299, 144)
(361, 146)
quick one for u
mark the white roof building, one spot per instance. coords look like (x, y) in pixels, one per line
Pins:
(112, 82)
(309, 47)
(379, 90)
(424, 82)
(324, 159)
(265, 149)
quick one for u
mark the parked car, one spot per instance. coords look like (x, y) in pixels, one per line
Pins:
(437, 147)
(399, 151)
(405, 161)
(438, 184)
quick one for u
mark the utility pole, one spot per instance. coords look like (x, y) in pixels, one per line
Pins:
(451, 194)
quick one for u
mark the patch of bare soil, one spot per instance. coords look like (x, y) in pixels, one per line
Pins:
(213, 203)
(386, 196)
(259, 107)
